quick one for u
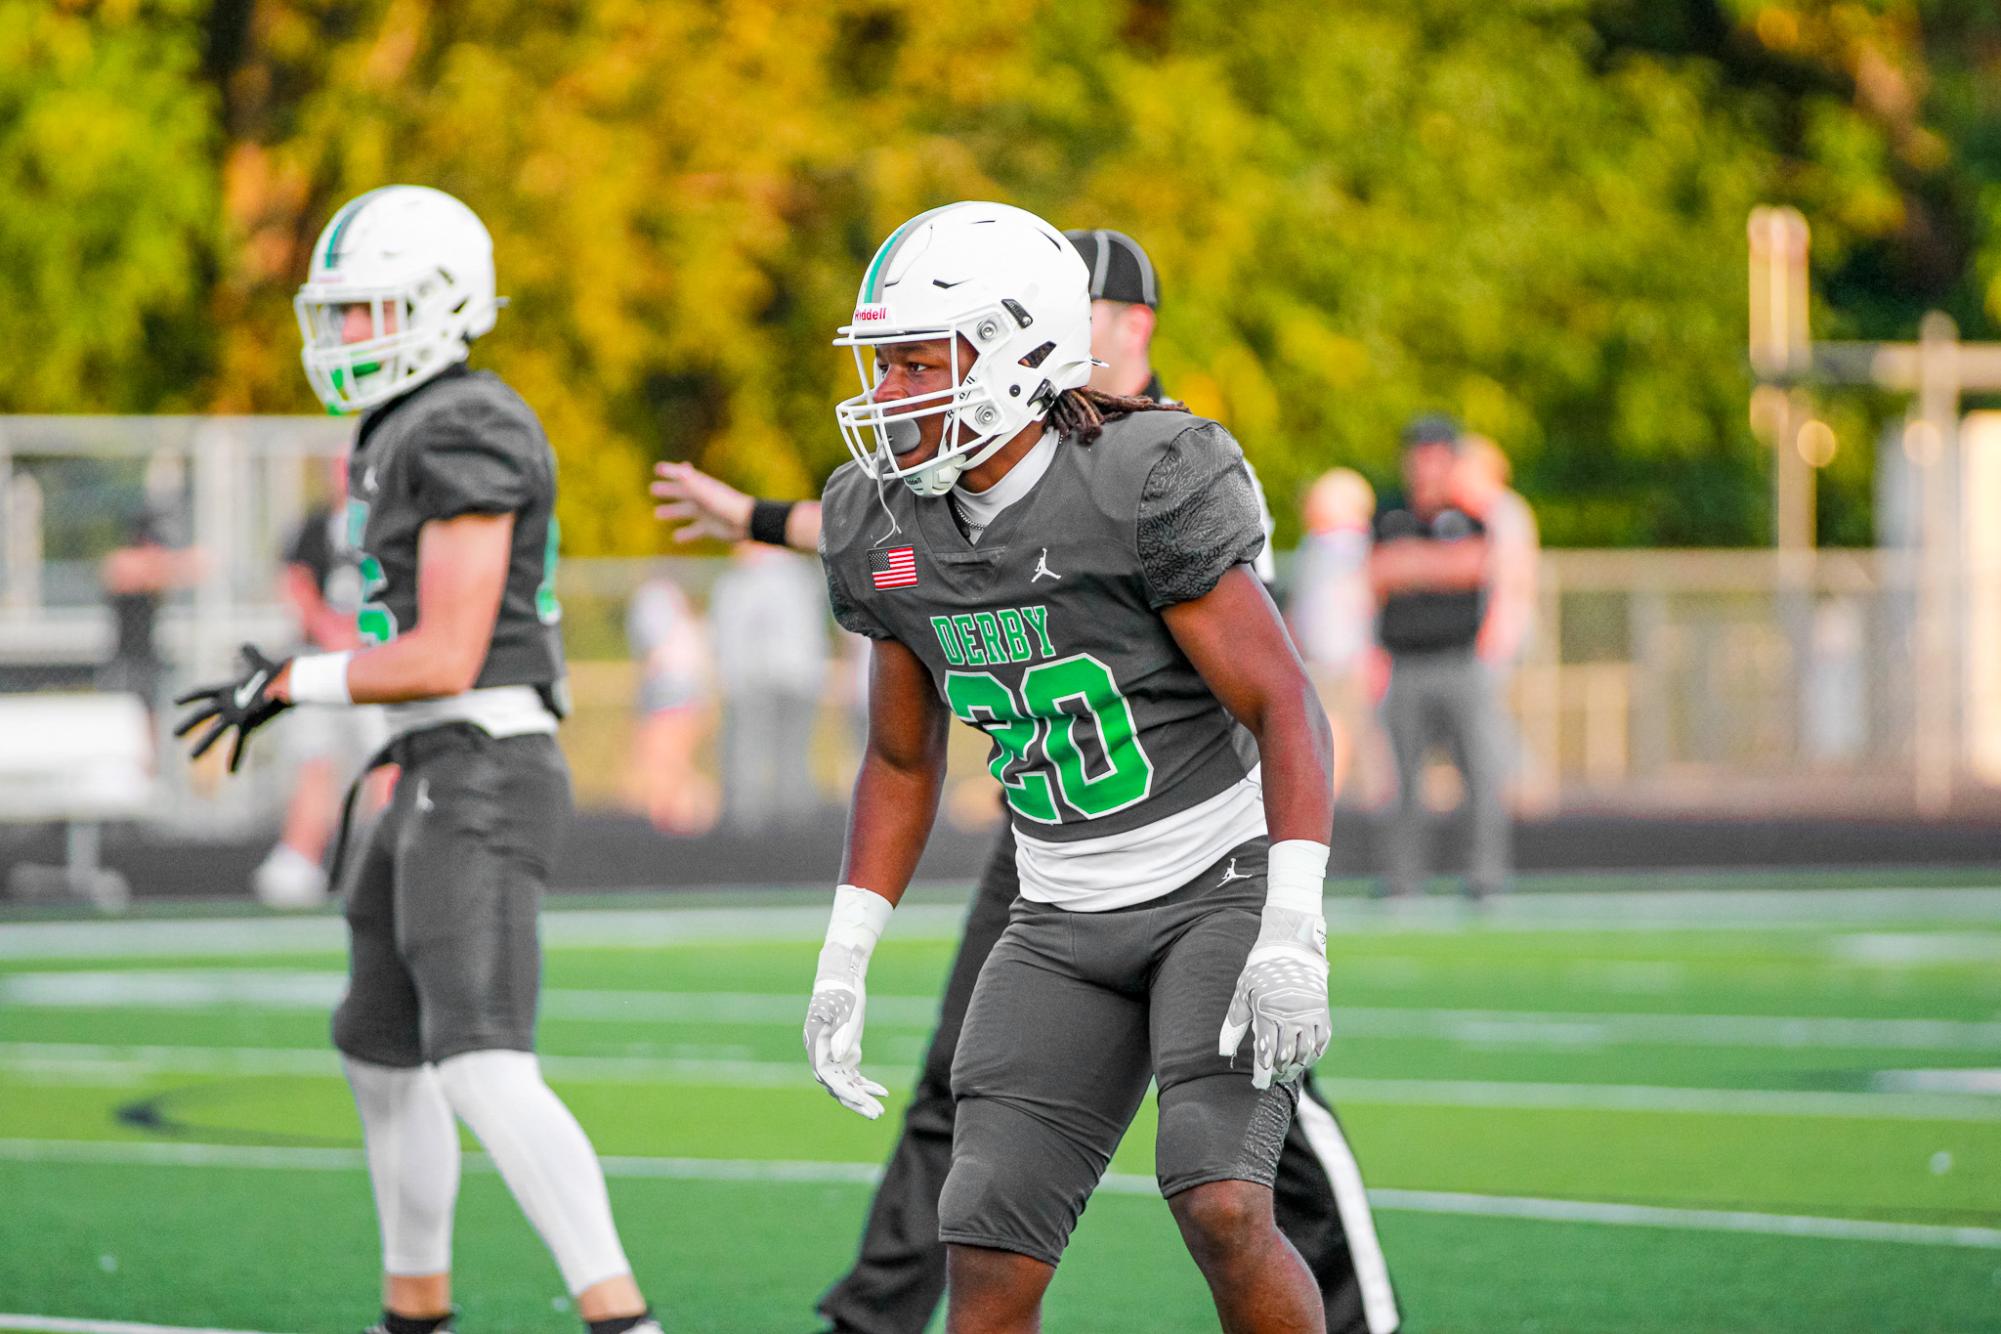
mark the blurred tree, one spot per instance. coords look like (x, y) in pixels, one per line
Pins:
(1529, 214)
(1885, 118)
(107, 191)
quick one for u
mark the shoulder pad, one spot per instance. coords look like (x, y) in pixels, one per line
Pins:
(1124, 455)
(850, 514)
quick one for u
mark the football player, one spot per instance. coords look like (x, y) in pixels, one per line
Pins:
(451, 510)
(1069, 571)
(899, 1275)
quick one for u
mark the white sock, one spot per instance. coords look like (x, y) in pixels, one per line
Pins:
(413, 1162)
(544, 1157)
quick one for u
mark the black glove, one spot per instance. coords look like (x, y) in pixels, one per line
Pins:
(241, 704)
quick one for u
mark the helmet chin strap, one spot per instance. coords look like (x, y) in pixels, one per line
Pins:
(936, 481)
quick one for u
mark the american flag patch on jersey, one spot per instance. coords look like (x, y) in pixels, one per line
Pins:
(894, 568)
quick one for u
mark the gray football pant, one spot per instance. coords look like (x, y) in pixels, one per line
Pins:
(441, 900)
(1446, 700)
(899, 1276)
(766, 736)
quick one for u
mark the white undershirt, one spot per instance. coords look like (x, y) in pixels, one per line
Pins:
(1120, 870)
(979, 509)
(499, 711)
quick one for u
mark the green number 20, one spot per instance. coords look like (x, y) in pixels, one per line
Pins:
(1056, 699)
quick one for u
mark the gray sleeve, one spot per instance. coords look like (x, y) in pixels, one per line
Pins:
(1198, 516)
(479, 457)
(849, 614)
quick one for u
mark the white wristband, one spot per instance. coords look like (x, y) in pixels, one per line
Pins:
(1296, 875)
(320, 678)
(858, 919)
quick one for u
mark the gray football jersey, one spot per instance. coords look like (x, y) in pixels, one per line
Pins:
(463, 443)
(1047, 635)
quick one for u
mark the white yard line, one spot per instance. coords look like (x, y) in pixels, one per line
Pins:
(154, 1154)
(1939, 1081)
(61, 1062)
(299, 990)
(55, 1324)
(605, 928)
(1693, 1220)
(1521, 1095)
(280, 989)
(1916, 949)
(1597, 1029)
(57, 1062)
(804, 923)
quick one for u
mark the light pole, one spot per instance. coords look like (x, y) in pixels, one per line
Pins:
(1936, 370)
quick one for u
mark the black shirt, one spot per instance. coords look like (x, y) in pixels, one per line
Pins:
(321, 547)
(1429, 621)
(134, 613)
(132, 618)
(313, 545)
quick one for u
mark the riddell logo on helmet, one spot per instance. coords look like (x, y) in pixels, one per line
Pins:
(871, 314)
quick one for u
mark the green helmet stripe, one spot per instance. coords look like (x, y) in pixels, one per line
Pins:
(349, 212)
(872, 282)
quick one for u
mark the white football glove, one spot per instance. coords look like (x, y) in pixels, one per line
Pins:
(840, 1000)
(1281, 996)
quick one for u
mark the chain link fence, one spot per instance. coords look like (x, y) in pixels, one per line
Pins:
(1711, 681)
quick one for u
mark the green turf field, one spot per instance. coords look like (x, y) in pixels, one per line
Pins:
(1692, 1111)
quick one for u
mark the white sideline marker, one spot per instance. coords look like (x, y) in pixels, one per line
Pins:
(55, 1324)
(1897, 1096)
(1826, 910)
(1946, 1098)
(205, 988)
(797, 1171)
(1697, 1220)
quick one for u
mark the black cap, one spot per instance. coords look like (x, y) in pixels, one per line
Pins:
(1433, 428)
(1120, 270)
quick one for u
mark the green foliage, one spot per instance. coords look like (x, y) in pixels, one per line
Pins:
(107, 198)
(1530, 214)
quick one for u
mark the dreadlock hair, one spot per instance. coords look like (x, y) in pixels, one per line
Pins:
(1082, 413)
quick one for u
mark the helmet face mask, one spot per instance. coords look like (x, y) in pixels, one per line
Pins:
(987, 279)
(350, 375)
(421, 264)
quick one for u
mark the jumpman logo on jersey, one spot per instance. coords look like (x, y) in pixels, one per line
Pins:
(1042, 570)
(1230, 873)
(424, 802)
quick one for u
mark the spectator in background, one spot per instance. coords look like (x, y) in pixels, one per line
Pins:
(671, 645)
(136, 576)
(1429, 569)
(1514, 551)
(327, 746)
(1332, 611)
(769, 615)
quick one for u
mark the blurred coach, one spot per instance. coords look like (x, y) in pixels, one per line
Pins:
(1429, 570)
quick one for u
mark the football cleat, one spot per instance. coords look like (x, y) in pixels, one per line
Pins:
(289, 879)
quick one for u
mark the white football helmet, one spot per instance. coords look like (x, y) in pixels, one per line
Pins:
(421, 262)
(1009, 284)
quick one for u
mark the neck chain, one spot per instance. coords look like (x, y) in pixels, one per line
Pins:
(972, 527)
